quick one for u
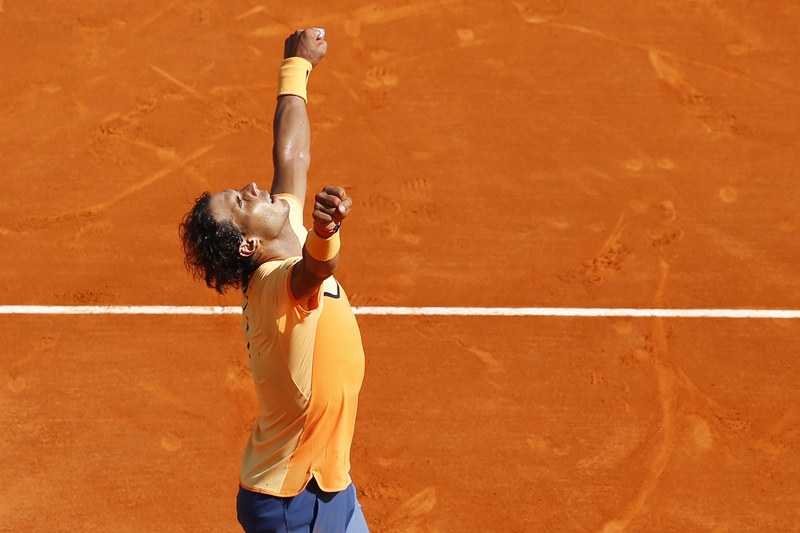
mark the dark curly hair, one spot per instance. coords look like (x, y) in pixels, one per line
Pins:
(211, 249)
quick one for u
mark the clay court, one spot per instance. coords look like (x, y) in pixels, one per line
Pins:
(523, 154)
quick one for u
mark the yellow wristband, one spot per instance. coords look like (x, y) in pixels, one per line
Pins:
(320, 248)
(293, 77)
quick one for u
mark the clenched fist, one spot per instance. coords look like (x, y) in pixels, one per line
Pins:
(331, 207)
(304, 43)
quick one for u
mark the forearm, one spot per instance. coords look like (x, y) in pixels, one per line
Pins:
(321, 249)
(291, 151)
(320, 260)
(321, 269)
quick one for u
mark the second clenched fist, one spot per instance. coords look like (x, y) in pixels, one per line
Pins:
(331, 207)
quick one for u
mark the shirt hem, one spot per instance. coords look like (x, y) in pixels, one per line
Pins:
(291, 494)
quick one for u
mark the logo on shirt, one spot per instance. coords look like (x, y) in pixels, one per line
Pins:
(334, 296)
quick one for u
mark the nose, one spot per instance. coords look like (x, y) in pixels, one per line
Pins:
(251, 188)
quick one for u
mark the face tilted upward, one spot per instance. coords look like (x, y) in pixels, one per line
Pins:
(255, 213)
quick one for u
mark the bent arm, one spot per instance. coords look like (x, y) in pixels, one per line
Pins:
(321, 250)
(307, 277)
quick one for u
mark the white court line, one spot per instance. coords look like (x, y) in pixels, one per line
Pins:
(409, 311)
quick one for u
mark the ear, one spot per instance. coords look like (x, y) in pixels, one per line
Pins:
(248, 247)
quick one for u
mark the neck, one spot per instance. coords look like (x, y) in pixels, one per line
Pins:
(284, 246)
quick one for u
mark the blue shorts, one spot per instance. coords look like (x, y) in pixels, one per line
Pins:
(311, 511)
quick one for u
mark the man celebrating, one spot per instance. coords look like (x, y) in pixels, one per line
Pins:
(304, 344)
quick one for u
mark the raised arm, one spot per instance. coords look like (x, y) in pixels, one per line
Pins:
(291, 151)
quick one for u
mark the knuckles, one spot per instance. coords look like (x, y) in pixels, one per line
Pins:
(303, 43)
(332, 203)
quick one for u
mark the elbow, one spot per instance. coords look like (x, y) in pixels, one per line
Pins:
(291, 156)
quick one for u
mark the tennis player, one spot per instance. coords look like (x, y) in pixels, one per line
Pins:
(304, 344)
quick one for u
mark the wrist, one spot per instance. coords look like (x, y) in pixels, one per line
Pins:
(322, 248)
(293, 77)
(327, 233)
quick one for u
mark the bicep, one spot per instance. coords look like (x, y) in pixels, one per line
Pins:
(290, 178)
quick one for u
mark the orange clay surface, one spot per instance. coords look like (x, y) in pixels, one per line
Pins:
(513, 153)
